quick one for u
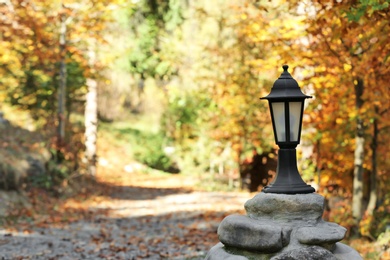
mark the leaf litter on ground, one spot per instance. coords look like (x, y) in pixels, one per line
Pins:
(120, 215)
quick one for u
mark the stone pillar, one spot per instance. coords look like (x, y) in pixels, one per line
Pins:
(281, 226)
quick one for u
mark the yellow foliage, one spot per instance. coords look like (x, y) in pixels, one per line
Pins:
(347, 67)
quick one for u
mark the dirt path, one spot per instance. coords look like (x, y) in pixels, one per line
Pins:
(130, 217)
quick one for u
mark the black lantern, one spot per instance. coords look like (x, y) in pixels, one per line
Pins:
(286, 102)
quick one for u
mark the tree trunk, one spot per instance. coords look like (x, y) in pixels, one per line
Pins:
(91, 119)
(357, 199)
(62, 87)
(373, 177)
(91, 125)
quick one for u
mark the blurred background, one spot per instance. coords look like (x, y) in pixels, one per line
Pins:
(174, 86)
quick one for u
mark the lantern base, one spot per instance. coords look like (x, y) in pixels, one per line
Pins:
(290, 189)
(287, 179)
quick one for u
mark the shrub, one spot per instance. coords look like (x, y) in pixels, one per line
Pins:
(150, 151)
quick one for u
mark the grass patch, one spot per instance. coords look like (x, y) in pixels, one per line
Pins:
(142, 144)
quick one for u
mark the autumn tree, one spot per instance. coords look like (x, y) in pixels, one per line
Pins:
(88, 22)
(235, 84)
(35, 35)
(29, 67)
(54, 45)
(348, 53)
(254, 41)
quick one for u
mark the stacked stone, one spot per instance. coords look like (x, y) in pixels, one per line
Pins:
(281, 226)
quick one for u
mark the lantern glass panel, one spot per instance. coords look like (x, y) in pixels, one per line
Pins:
(279, 116)
(295, 120)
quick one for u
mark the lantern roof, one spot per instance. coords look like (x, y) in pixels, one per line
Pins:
(285, 87)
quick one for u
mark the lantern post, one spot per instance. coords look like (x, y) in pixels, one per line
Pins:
(286, 103)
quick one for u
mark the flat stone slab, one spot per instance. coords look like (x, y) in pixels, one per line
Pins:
(297, 209)
(222, 252)
(243, 232)
(323, 234)
(341, 252)
(218, 252)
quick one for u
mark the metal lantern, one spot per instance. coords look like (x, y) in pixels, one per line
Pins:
(286, 102)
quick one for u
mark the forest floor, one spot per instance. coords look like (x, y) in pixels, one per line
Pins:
(121, 215)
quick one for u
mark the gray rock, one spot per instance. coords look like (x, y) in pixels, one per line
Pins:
(3, 121)
(282, 227)
(344, 252)
(218, 252)
(325, 234)
(243, 232)
(306, 253)
(297, 209)
(36, 167)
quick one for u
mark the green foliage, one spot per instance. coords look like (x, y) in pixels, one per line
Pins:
(150, 151)
(366, 7)
(185, 123)
(152, 21)
(34, 93)
(145, 146)
(381, 218)
(55, 173)
(37, 88)
(186, 113)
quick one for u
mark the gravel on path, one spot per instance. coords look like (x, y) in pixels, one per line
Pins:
(167, 225)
